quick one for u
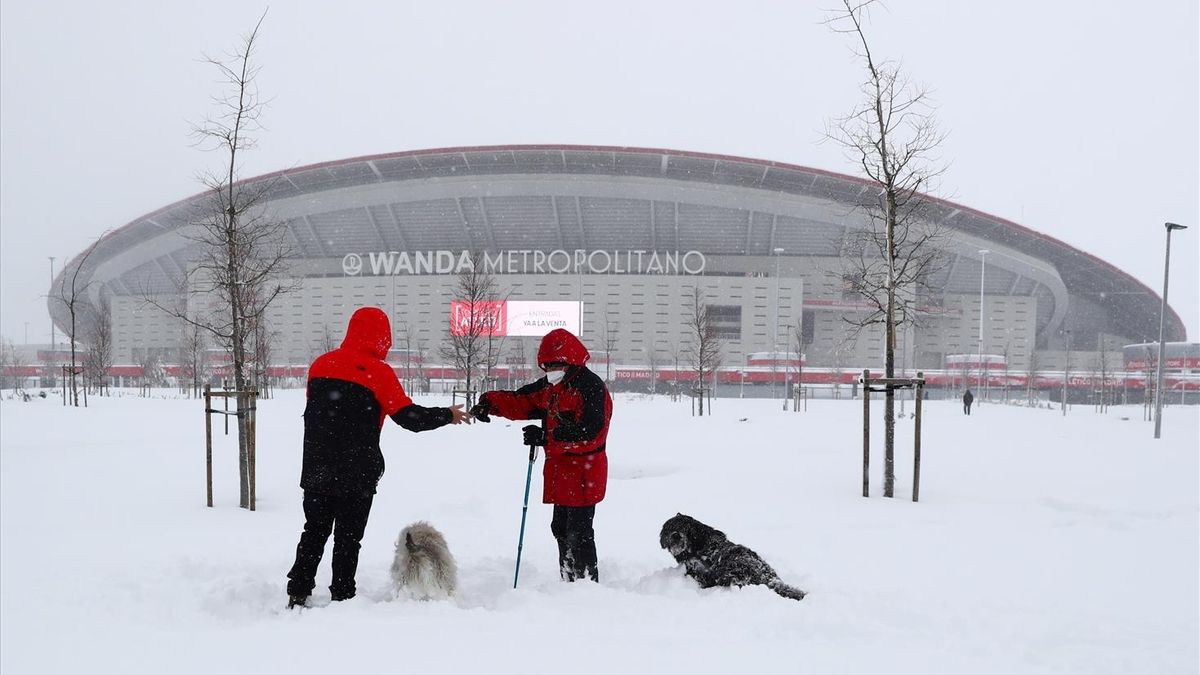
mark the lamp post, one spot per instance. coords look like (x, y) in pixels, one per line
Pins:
(1162, 318)
(579, 277)
(775, 320)
(787, 365)
(1066, 374)
(52, 346)
(982, 275)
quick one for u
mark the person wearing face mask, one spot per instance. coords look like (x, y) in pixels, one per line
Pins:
(575, 407)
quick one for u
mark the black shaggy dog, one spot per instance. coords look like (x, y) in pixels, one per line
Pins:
(712, 560)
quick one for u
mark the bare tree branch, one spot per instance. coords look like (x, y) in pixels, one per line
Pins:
(473, 321)
(243, 252)
(71, 293)
(703, 349)
(892, 136)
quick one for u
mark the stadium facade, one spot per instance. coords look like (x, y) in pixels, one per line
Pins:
(628, 232)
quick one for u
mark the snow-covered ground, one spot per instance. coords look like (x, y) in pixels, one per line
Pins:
(1042, 544)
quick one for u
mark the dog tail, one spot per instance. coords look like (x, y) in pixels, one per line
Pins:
(785, 590)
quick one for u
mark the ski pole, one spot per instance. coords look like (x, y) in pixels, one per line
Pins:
(524, 510)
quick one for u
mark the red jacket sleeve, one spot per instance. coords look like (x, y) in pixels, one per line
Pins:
(388, 390)
(526, 403)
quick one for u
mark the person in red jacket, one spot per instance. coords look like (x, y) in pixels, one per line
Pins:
(351, 391)
(575, 408)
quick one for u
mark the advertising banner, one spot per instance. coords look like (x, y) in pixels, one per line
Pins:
(517, 318)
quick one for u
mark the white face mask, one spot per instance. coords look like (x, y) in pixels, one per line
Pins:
(555, 376)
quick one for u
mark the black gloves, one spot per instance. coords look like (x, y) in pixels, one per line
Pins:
(534, 435)
(481, 410)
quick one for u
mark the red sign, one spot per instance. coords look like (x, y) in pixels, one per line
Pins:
(479, 318)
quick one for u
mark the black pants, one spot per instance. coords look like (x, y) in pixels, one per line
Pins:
(346, 517)
(572, 527)
(967, 408)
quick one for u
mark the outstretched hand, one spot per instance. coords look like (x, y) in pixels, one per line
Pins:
(481, 410)
(458, 415)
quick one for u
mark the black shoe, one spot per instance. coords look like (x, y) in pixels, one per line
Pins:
(339, 598)
(297, 601)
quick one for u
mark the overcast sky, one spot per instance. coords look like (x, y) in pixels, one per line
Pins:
(1080, 120)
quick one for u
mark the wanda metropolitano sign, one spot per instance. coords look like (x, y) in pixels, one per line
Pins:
(525, 261)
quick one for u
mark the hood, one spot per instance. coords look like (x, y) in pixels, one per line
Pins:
(369, 331)
(560, 345)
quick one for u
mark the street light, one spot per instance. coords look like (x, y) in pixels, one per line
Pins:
(787, 366)
(579, 278)
(982, 273)
(52, 347)
(1066, 374)
(775, 321)
(1162, 317)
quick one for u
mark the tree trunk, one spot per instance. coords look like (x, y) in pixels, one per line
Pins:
(889, 401)
(238, 347)
(74, 388)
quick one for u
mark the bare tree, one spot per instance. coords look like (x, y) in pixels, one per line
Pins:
(243, 253)
(704, 343)
(610, 334)
(1066, 383)
(421, 349)
(839, 370)
(517, 362)
(71, 294)
(1149, 383)
(473, 318)
(652, 365)
(408, 338)
(1104, 366)
(99, 359)
(494, 347)
(798, 336)
(965, 372)
(1035, 364)
(892, 136)
(260, 355)
(151, 367)
(1007, 357)
(674, 350)
(8, 357)
(326, 342)
(192, 350)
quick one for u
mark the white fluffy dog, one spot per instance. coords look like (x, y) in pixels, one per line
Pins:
(423, 568)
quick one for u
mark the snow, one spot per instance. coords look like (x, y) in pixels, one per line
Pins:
(1041, 544)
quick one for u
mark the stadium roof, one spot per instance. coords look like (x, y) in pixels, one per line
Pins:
(504, 197)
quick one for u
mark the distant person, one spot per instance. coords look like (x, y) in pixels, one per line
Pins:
(968, 399)
(575, 408)
(351, 391)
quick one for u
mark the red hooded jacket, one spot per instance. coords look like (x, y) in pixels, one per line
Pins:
(576, 414)
(351, 390)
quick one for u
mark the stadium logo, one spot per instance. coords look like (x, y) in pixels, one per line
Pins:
(578, 261)
(352, 264)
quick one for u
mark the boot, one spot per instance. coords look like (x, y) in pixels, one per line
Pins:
(297, 601)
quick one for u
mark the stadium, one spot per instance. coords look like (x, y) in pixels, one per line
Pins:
(623, 235)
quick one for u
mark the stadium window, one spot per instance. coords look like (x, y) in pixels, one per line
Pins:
(808, 327)
(726, 320)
